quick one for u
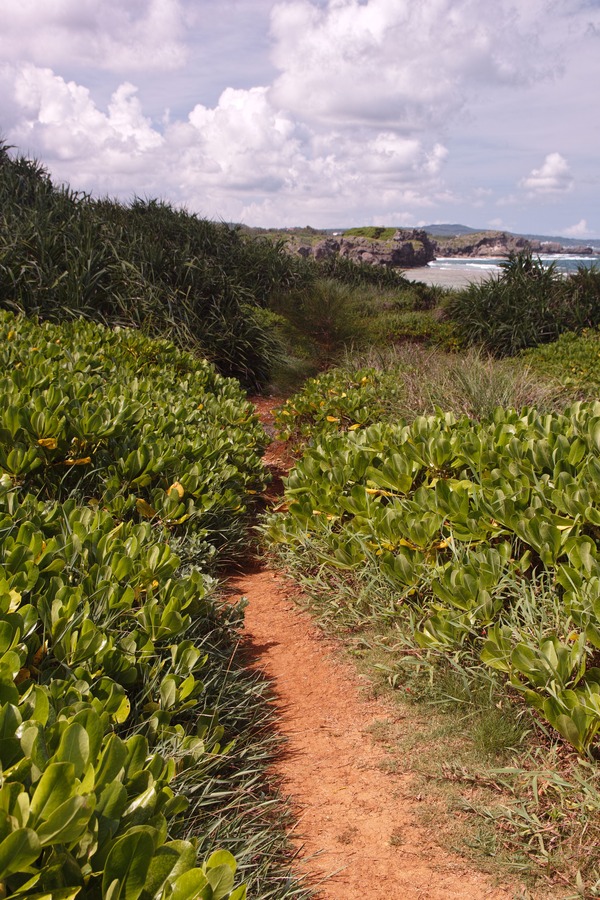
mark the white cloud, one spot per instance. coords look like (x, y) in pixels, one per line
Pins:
(92, 150)
(580, 230)
(61, 117)
(112, 35)
(368, 111)
(228, 161)
(553, 176)
(396, 64)
(246, 142)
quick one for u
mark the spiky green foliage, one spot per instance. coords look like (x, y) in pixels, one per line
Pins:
(147, 265)
(525, 305)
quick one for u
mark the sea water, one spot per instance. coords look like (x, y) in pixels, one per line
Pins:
(563, 262)
(460, 271)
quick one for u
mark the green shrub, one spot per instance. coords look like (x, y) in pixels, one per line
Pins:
(488, 532)
(126, 468)
(526, 305)
(147, 265)
(572, 362)
(335, 401)
(118, 420)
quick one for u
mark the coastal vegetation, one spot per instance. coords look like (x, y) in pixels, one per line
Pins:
(442, 516)
(133, 742)
(212, 288)
(525, 305)
(573, 361)
(146, 265)
(457, 555)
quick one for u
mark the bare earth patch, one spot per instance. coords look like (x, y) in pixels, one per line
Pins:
(356, 822)
(358, 832)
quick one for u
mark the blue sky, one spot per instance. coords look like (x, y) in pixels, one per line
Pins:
(316, 112)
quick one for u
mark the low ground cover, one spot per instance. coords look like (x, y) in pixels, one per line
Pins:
(389, 383)
(131, 765)
(572, 361)
(467, 551)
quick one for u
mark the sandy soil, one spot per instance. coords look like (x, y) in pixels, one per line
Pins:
(357, 832)
(448, 278)
(357, 829)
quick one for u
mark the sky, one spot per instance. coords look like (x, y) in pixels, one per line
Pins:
(329, 113)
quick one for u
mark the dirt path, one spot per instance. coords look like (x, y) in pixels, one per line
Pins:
(357, 823)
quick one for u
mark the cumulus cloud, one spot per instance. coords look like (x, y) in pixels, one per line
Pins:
(247, 151)
(230, 160)
(396, 64)
(62, 117)
(59, 122)
(246, 142)
(580, 230)
(353, 121)
(112, 35)
(553, 176)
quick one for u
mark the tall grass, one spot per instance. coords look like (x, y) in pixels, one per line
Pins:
(525, 305)
(242, 301)
(473, 382)
(146, 265)
(333, 315)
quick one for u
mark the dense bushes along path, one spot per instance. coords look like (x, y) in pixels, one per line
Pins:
(357, 832)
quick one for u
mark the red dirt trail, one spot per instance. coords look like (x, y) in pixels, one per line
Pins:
(358, 832)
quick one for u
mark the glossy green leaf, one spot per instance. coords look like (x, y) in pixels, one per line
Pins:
(126, 867)
(54, 788)
(68, 822)
(18, 851)
(74, 747)
(168, 863)
(192, 885)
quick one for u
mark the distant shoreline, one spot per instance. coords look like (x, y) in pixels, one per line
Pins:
(458, 277)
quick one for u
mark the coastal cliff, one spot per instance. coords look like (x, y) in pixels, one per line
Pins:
(500, 244)
(406, 249)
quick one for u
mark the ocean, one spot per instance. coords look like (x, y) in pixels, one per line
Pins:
(459, 271)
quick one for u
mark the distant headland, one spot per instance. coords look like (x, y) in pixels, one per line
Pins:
(408, 248)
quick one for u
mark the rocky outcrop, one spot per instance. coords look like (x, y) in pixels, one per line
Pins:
(407, 249)
(552, 247)
(499, 243)
(487, 243)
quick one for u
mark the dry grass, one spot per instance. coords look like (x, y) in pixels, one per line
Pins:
(471, 382)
